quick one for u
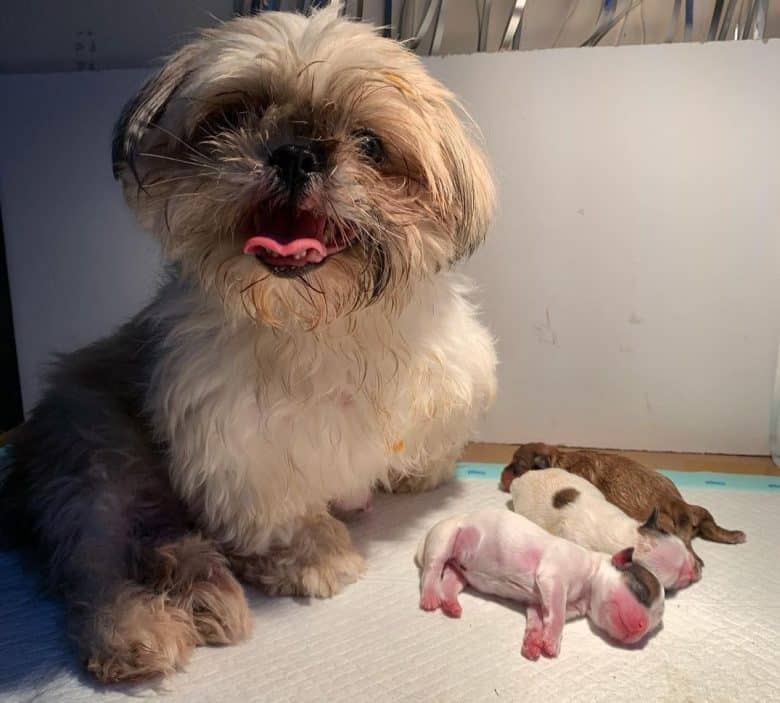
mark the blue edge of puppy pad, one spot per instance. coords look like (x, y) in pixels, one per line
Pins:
(682, 479)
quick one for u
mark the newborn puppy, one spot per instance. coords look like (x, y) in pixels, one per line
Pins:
(570, 507)
(499, 552)
(634, 488)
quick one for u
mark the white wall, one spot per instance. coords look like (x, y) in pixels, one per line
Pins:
(77, 264)
(631, 277)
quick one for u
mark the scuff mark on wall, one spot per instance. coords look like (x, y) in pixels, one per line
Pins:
(545, 332)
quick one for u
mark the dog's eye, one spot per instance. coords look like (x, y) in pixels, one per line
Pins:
(227, 119)
(370, 145)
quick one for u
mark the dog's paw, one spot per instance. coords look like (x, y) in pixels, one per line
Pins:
(426, 477)
(138, 636)
(318, 561)
(219, 608)
(322, 579)
(353, 509)
(419, 483)
(196, 577)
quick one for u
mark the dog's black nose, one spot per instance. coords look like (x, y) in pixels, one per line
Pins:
(295, 164)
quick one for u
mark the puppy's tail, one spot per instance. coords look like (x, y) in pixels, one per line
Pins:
(709, 529)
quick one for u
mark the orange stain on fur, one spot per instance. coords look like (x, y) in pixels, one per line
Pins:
(398, 446)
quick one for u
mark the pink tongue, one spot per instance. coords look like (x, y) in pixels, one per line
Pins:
(256, 244)
(287, 233)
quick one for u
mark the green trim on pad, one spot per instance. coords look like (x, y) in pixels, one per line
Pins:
(476, 470)
(682, 479)
(732, 482)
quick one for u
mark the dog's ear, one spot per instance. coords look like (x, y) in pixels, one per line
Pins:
(146, 108)
(473, 196)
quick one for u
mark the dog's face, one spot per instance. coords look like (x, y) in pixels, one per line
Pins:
(302, 168)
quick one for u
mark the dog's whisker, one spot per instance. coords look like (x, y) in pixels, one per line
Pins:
(174, 179)
(181, 141)
(185, 162)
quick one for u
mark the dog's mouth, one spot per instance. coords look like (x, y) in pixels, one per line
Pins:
(291, 241)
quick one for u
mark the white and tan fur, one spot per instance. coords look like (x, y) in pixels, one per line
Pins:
(326, 417)
(571, 507)
(209, 436)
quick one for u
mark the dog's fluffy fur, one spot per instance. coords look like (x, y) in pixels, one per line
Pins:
(211, 433)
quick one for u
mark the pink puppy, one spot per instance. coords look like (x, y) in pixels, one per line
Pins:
(500, 552)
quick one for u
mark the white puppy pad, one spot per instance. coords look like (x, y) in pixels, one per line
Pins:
(719, 642)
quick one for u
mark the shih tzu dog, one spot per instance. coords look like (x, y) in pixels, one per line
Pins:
(311, 187)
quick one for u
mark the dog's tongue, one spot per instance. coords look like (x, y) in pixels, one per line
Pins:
(288, 233)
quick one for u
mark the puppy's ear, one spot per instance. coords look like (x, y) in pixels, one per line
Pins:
(623, 558)
(509, 474)
(652, 521)
(144, 110)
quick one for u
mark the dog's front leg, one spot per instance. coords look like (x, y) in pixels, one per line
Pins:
(316, 558)
(430, 474)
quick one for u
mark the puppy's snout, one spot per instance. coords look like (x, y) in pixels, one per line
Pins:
(295, 164)
(693, 571)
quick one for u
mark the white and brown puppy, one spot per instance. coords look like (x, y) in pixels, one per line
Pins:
(571, 507)
(312, 187)
(502, 553)
(634, 488)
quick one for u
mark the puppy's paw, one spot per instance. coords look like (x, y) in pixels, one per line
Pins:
(319, 560)
(551, 645)
(532, 644)
(452, 608)
(738, 537)
(429, 601)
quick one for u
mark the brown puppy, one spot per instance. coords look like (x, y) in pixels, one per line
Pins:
(634, 488)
